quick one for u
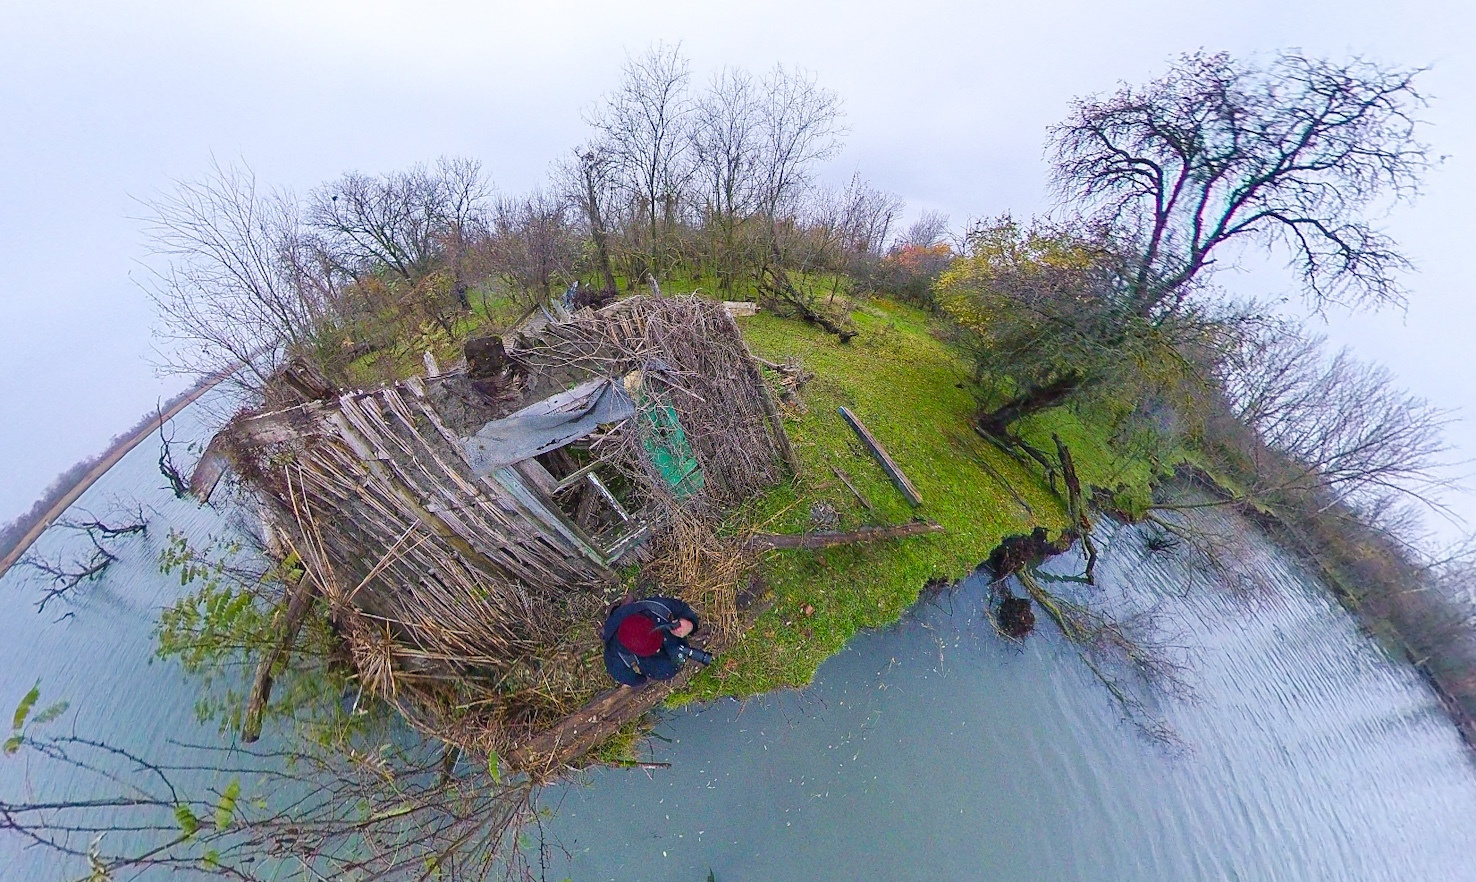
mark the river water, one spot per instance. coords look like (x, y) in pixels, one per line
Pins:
(937, 750)
(930, 750)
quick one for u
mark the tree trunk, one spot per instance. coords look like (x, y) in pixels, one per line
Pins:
(597, 232)
(1033, 400)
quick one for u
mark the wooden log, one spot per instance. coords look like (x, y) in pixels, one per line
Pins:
(209, 470)
(846, 479)
(765, 541)
(301, 600)
(882, 457)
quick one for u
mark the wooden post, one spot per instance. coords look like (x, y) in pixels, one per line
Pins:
(301, 601)
(882, 458)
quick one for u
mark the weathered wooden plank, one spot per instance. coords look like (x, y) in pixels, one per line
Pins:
(281, 425)
(846, 479)
(537, 475)
(882, 457)
(552, 517)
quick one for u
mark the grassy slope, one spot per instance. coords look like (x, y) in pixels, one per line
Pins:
(912, 391)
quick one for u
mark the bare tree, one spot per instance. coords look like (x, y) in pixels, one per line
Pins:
(930, 229)
(238, 287)
(358, 806)
(532, 243)
(727, 148)
(1297, 153)
(66, 573)
(642, 129)
(865, 222)
(1336, 424)
(801, 127)
(405, 222)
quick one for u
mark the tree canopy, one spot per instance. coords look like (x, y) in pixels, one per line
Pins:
(1296, 154)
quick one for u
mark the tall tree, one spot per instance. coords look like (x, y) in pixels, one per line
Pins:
(240, 284)
(1295, 154)
(403, 222)
(642, 128)
(532, 244)
(801, 127)
(586, 179)
(726, 135)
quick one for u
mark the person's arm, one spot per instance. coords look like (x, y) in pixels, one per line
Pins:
(622, 673)
(663, 665)
(682, 611)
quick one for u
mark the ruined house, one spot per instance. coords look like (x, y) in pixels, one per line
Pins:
(465, 530)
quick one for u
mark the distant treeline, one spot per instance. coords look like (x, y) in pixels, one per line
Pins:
(17, 531)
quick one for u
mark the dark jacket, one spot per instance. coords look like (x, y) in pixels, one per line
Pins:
(635, 670)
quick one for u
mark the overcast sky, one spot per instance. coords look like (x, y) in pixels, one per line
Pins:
(105, 103)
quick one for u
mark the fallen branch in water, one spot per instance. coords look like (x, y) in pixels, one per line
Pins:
(1101, 640)
(66, 575)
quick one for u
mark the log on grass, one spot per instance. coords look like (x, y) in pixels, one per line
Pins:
(882, 457)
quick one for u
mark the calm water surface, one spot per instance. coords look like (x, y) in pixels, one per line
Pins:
(931, 750)
(936, 750)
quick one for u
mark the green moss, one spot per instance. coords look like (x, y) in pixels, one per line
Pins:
(913, 393)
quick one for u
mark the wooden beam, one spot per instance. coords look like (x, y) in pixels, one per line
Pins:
(765, 541)
(880, 453)
(210, 469)
(301, 601)
(595, 482)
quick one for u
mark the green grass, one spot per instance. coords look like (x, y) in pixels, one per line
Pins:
(493, 310)
(913, 393)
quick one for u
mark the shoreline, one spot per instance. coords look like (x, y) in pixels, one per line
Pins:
(1333, 578)
(120, 448)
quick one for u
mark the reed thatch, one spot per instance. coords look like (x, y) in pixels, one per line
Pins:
(473, 603)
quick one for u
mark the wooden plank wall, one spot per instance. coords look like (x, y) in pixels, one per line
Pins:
(379, 489)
